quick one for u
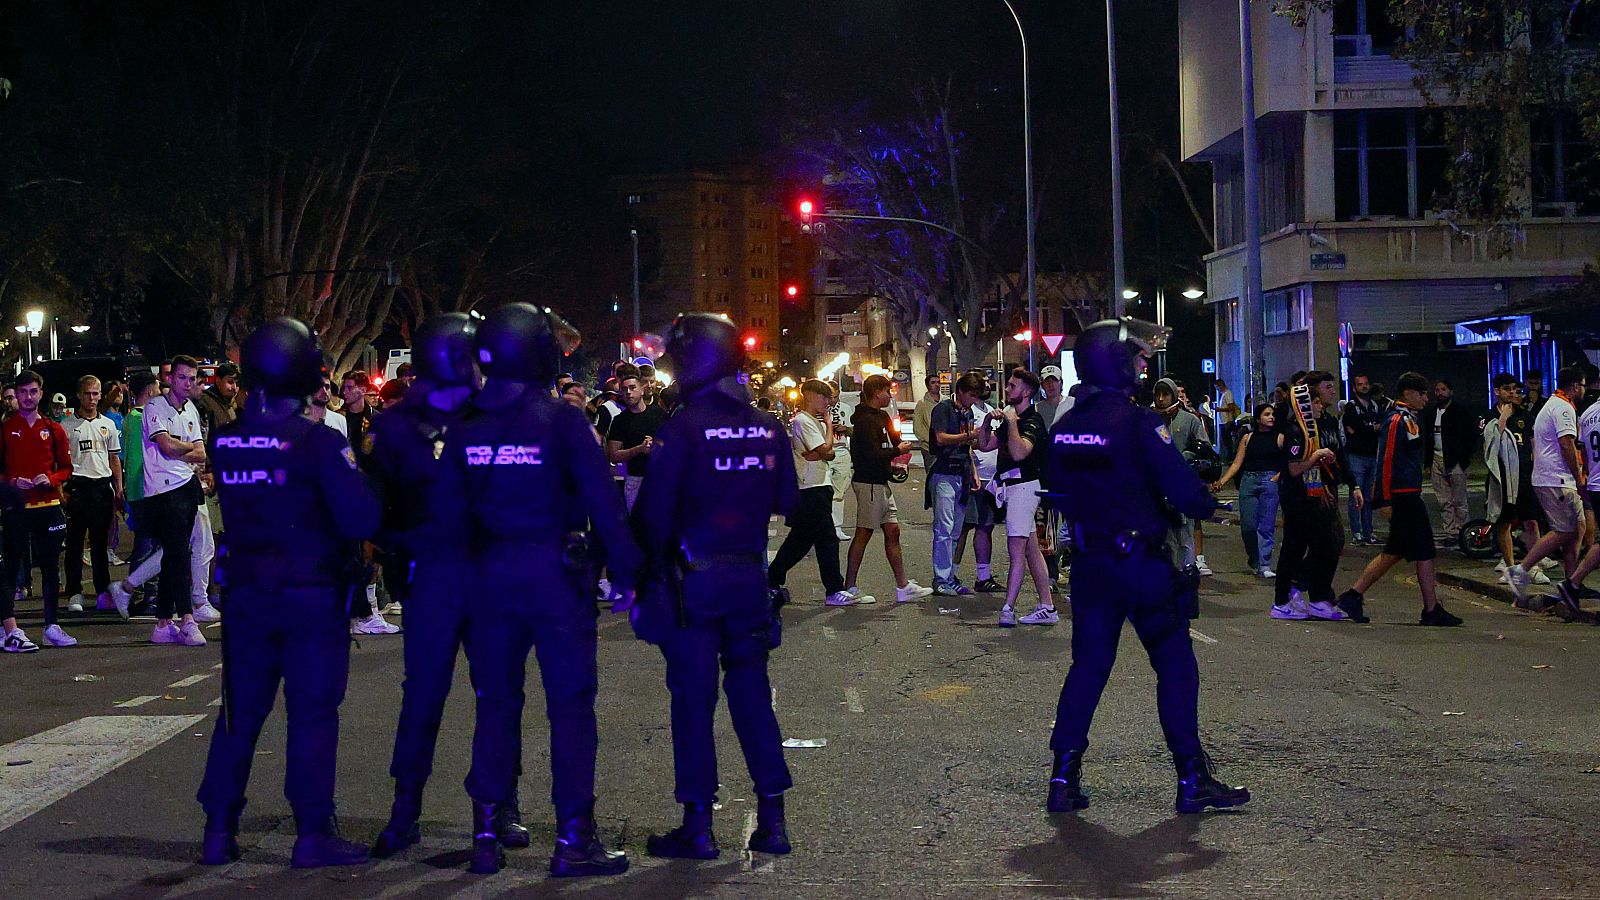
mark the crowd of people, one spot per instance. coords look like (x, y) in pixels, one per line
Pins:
(133, 454)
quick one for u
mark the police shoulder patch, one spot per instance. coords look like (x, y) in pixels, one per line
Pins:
(1163, 433)
(349, 456)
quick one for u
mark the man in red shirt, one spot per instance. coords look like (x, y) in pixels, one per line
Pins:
(36, 460)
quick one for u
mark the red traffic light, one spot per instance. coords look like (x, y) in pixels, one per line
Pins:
(792, 290)
(749, 342)
(807, 208)
(638, 343)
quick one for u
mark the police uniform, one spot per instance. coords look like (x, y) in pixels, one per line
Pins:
(1113, 472)
(300, 507)
(530, 470)
(721, 470)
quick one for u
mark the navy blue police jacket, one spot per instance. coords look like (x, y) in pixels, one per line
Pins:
(422, 514)
(293, 492)
(719, 471)
(531, 473)
(1112, 467)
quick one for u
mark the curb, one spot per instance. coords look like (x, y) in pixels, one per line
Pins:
(1505, 595)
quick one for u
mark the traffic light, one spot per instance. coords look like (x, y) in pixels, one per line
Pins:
(792, 291)
(808, 209)
(750, 342)
(638, 343)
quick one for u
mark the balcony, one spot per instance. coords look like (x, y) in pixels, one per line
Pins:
(1398, 250)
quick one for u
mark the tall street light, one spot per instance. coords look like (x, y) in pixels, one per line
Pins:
(634, 233)
(1027, 170)
(1118, 275)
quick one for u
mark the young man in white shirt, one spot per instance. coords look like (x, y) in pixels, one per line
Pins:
(93, 492)
(811, 523)
(1572, 589)
(172, 448)
(1557, 472)
(317, 410)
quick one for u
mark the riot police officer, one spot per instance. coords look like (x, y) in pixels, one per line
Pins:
(530, 473)
(298, 509)
(1113, 472)
(720, 470)
(427, 557)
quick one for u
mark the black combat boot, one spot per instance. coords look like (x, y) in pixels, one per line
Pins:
(319, 845)
(508, 824)
(1197, 789)
(691, 840)
(403, 829)
(580, 853)
(487, 856)
(220, 845)
(772, 833)
(1066, 783)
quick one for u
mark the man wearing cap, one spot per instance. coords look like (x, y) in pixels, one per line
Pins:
(1054, 403)
(58, 408)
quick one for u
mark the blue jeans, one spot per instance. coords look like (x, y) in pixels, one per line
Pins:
(1258, 516)
(1365, 471)
(949, 511)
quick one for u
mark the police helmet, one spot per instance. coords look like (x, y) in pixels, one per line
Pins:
(705, 348)
(443, 349)
(282, 358)
(1106, 352)
(517, 343)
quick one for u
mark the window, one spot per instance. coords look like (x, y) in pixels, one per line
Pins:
(1284, 311)
(1565, 172)
(1363, 28)
(1229, 317)
(1387, 163)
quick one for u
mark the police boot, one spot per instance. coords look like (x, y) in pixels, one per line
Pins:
(220, 845)
(772, 833)
(691, 840)
(508, 824)
(487, 856)
(580, 853)
(1197, 789)
(1066, 783)
(319, 845)
(403, 829)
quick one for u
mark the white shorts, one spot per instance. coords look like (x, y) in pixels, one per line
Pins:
(1021, 502)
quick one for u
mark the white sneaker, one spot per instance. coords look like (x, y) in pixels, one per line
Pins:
(189, 634)
(603, 588)
(1501, 567)
(166, 634)
(1505, 578)
(1200, 564)
(86, 560)
(120, 598)
(392, 608)
(1267, 573)
(17, 642)
(1044, 615)
(113, 559)
(1549, 563)
(75, 604)
(205, 612)
(1295, 609)
(841, 534)
(861, 599)
(1539, 577)
(841, 598)
(912, 591)
(1008, 617)
(1520, 579)
(55, 637)
(1322, 609)
(374, 624)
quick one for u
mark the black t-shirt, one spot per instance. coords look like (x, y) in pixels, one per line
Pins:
(950, 459)
(631, 428)
(1030, 426)
(1520, 427)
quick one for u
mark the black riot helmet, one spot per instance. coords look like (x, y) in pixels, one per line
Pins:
(443, 349)
(517, 343)
(1106, 354)
(282, 359)
(705, 348)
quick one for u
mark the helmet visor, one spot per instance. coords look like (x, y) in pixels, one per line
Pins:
(1147, 336)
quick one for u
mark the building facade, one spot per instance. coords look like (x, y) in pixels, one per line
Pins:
(1360, 271)
(714, 241)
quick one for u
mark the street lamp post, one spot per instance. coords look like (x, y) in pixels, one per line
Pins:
(634, 233)
(1118, 274)
(1027, 170)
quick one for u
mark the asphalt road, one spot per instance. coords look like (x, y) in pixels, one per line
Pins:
(1386, 760)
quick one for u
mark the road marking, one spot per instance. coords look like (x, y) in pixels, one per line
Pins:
(66, 759)
(137, 701)
(774, 699)
(1201, 637)
(192, 679)
(216, 702)
(217, 666)
(852, 699)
